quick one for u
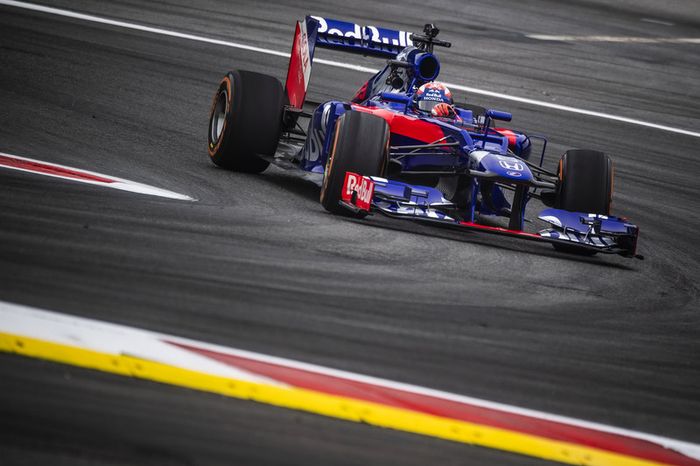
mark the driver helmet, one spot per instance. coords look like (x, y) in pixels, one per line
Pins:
(430, 94)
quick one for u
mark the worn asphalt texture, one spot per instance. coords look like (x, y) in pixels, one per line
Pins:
(256, 263)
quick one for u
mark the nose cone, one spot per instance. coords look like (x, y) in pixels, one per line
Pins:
(505, 167)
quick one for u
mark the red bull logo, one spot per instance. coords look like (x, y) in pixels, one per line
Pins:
(358, 190)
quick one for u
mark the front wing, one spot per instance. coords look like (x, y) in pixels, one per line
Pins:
(583, 231)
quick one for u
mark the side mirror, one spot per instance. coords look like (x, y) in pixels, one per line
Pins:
(499, 115)
(395, 97)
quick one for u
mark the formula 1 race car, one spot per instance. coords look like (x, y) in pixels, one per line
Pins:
(380, 152)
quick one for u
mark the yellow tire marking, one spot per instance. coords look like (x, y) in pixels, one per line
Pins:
(331, 156)
(320, 403)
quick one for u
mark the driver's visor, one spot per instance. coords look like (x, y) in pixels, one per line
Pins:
(427, 105)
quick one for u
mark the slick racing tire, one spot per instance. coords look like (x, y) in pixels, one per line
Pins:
(585, 185)
(245, 121)
(360, 145)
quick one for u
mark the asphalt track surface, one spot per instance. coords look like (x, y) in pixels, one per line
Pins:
(257, 264)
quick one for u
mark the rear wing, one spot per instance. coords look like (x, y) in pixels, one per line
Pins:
(316, 31)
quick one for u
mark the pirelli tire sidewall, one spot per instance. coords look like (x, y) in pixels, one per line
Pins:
(585, 182)
(585, 185)
(360, 145)
(252, 121)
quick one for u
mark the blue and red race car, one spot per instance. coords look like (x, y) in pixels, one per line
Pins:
(388, 150)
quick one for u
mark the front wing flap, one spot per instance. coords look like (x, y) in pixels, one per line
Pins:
(604, 234)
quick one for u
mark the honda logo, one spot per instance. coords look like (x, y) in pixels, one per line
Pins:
(508, 165)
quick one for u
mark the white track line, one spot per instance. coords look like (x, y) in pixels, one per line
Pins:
(113, 182)
(119, 339)
(112, 339)
(618, 39)
(138, 27)
(687, 448)
(237, 45)
(656, 21)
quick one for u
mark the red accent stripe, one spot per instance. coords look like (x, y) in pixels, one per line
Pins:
(505, 231)
(361, 94)
(512, 137)
(50, 169)
(406, 125)
(451, 409)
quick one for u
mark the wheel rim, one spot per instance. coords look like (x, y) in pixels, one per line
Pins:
(218, 118)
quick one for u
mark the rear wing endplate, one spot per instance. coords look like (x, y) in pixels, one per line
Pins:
(316, 31)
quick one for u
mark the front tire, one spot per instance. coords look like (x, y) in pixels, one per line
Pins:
(245, 121)
(585, 182)
(360, 145)
(585, 185)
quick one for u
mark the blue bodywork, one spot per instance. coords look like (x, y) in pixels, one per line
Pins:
(451, 170)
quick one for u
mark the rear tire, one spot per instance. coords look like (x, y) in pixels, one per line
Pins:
(585, 185)
(360, 145)
(245, 121)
